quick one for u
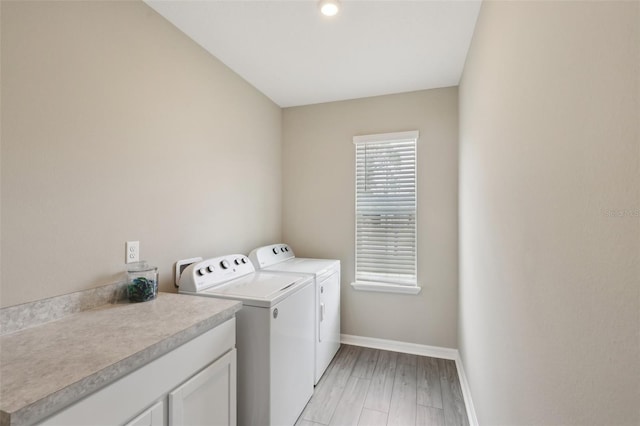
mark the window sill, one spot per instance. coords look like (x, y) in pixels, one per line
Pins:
(386, 288)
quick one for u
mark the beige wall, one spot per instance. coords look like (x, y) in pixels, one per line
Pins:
(115, 127)
(549, 213)
(318, 206)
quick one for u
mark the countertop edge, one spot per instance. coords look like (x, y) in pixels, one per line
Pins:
(51, 404)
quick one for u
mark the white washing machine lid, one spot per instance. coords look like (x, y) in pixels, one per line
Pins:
(301, 265)
(261, 289)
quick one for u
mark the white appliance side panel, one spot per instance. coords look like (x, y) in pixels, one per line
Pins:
(328, 323)
(292, 347)
(252, 342)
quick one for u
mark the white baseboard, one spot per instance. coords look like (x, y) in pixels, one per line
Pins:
(423, 350)
(396, 346)
(466, 392)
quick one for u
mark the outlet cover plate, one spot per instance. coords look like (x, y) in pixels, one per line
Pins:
(132, 251)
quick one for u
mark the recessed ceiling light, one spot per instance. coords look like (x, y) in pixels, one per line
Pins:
(329, 7)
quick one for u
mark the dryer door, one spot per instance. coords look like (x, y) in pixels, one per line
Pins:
(328, 322)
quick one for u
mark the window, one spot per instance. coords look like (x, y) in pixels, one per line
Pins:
(386, 212)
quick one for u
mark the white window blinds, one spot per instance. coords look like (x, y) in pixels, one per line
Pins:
(386, 209)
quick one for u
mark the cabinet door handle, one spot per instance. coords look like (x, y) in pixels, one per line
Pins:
(322, 312)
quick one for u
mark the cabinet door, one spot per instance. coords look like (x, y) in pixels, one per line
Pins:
(208, 398)
(154, 416)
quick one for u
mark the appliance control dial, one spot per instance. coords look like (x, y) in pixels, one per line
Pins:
(224, 264)
(202, 271)
(244, 260)
(275, 250)
(237, 261)
(210, 268)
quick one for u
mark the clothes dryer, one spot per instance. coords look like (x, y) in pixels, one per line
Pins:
(326, 274)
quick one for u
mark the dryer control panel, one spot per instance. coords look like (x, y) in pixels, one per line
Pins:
(215, 271)
(263, 257)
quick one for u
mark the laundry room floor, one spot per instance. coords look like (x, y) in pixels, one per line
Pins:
(371, 387)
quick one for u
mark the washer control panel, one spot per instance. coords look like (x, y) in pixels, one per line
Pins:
(270, 255)
(215, 271)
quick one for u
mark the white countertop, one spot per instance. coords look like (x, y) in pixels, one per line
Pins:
(48, 367)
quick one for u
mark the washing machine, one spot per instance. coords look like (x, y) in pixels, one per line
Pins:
(274, 335)
(326, 275)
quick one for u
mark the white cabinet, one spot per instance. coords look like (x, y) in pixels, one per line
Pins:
(166, 391)
(208, 398)
(154, 416)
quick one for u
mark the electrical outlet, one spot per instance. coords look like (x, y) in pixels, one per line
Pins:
(132, 251)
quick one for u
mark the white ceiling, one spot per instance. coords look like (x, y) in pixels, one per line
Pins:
(296, 56)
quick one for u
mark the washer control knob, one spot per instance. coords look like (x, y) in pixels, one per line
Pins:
(237, 261)
(244, 260)
(275, 250)
(286, 248)
(210, 268)
(202, 271)
(282, 249)
(224, 264)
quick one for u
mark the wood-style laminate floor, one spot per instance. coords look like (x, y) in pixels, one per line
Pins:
(370, 387)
